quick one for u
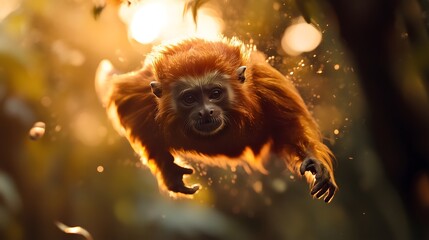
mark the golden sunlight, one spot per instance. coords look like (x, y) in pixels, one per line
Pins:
(300, 37)
(155, 21)
(148, 22)
(87, 129)
(7, 7)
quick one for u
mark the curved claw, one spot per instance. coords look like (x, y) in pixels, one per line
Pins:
(323, 185)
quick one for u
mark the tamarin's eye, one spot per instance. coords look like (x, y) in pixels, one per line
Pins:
(215, 94)
(189, 98)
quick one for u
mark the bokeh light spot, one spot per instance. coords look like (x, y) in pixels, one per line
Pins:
(299, 38)
(100, 169)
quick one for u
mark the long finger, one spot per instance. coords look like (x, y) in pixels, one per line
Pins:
(319, 184)
(322, 191)
(331, 193)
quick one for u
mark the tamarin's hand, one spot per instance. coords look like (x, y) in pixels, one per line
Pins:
(173, 179)
(323, 184)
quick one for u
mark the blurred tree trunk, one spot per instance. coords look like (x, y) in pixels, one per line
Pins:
(393, 69)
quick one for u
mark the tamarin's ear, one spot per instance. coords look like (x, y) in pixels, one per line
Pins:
(240, 72)
(156, 88)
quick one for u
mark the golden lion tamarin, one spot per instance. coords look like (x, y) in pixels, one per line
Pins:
(214, 100)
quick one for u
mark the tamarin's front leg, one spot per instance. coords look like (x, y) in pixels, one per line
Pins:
(172, 174)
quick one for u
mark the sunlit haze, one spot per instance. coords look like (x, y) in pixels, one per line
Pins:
(153, 21)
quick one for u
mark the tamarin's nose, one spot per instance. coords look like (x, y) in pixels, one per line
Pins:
(206, 112)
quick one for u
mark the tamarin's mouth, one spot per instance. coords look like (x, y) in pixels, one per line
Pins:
(208, 126)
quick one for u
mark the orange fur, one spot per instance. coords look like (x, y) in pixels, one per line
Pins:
(265, 110)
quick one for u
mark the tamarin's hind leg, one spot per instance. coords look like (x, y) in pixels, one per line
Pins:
(323, 184)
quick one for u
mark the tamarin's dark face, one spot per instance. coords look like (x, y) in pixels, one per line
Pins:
(202, 102)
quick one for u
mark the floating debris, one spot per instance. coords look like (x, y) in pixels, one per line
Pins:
(193, 5)
(74, 230)
(37, 131)
(97, 9)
